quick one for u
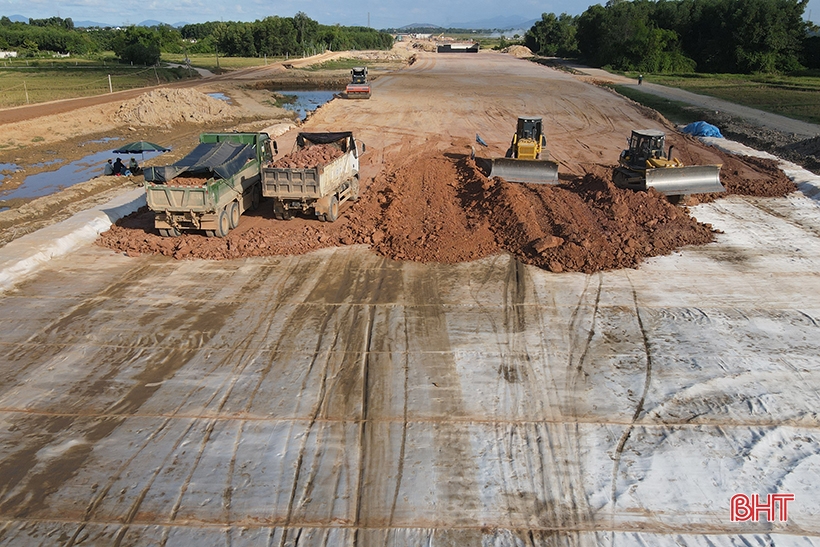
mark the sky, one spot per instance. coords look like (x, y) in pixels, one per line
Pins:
(380, 13)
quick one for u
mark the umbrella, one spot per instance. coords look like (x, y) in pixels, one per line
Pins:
(140, 147)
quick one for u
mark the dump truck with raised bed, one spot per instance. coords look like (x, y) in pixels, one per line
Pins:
(317, 177)
(211, 187)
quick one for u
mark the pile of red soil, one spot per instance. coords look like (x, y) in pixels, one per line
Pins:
(742, 175)
(444, 209)
(188, 181)
(317, 154)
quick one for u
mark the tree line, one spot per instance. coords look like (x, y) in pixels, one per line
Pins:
(272, 36)
(734, 36)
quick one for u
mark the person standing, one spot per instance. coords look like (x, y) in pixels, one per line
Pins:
(640, 79)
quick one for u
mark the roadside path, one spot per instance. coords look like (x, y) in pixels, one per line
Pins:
(752, 115)
(27, 112)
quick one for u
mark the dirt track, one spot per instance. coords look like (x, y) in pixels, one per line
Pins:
(340, 397)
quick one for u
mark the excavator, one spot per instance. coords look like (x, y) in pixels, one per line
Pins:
(643, 165)
(358, 88)
(523, 162)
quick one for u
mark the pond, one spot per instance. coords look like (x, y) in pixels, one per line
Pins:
(49, 182)
(306, 101)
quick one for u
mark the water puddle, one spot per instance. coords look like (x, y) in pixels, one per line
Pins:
(306, 101)
(47, 163)
(7, 169)
(49, 182)
(102, 140)
(220, 96)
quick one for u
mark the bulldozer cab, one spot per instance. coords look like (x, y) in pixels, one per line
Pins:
(358, 75)
(645, 144)
(530, 129)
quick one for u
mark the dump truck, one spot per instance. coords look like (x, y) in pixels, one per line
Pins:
(319, 188)
(644, 165)
(358, 88)
(523, 162)
(211, 187)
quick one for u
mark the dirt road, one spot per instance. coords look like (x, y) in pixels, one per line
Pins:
(343, 398)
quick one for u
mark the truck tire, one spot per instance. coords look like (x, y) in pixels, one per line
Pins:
(223, 224)
(280, 212)
(233, 214)
(333, 210)
(169, 232)
(256, 197)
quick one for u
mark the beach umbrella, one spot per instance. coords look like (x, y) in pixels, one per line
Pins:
(140, 147)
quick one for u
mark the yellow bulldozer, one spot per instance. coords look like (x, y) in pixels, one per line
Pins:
(644, 165)
(523, 162)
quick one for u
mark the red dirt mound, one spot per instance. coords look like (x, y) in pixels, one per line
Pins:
(444, 209)
(318, 154)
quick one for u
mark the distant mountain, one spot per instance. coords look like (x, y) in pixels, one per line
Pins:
(180, 24)
(502, 22)
(89, 24)
(18, 19)
(419, 26)
(150, 23)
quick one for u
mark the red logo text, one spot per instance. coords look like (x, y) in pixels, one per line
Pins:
(753, 508)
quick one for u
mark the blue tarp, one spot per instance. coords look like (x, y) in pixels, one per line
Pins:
(702, 129)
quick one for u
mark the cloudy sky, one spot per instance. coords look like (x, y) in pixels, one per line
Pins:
(382, 13)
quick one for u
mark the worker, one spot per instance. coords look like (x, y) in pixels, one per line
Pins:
(109, 169)
(119, 167)
(134, 167)
(640, 79)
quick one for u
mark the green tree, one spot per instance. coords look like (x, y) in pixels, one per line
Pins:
(553, 36)
(713, 35)
(170, 40)
(137, 45)
(306, 29)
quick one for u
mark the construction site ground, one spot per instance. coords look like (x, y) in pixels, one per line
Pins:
(456, 361)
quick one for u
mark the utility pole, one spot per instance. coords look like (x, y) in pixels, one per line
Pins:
(110, 87)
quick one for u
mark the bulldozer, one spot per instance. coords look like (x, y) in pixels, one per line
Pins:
(644, 165)
(523, 162)
(358, 88)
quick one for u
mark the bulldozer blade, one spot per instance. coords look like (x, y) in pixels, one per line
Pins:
(531, 171)
(698, 179)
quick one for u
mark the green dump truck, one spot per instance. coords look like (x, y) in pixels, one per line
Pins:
(211, 187)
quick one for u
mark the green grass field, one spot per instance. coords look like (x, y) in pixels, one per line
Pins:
(794, 96)
(208, 61)
(339, 64)
(674, 111)
(29, 81)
